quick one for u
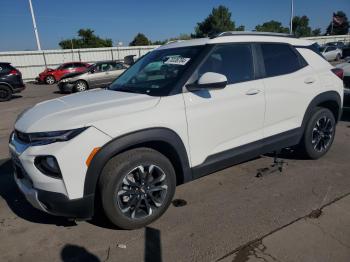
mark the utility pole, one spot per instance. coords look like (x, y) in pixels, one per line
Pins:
(291, 17)
(34, 25)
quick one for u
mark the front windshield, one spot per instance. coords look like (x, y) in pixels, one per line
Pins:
(156, 73)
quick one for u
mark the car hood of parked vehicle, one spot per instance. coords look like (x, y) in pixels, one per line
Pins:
(72, 75)
(82, 109)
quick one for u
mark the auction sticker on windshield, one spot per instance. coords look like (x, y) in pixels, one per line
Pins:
(176, 60)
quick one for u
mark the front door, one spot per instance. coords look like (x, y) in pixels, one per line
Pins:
(224, 119)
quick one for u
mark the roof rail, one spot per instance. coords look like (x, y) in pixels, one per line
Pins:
(237, 33)
(174, 41)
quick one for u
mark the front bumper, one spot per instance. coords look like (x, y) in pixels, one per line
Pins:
(56, 203)
(58, 196)
(18, 89)
(66, 87)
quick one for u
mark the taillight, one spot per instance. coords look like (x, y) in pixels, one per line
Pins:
(338, 72)
(14, 72)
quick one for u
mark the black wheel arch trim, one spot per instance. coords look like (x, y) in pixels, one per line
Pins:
(329, 96)
(131, 140)
(8, 85)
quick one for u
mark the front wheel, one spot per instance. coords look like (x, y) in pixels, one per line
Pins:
(50, 80)
(81, 86)
(319, 133)
(137, 187)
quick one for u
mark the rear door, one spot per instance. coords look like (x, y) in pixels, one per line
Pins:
(290, 85)
(79, 67)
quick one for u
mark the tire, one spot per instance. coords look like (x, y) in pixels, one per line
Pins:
(319, 133)
(128, 203)
(50, 80)
(80, 86)
(5, 93)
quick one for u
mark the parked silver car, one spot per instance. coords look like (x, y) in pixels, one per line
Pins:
(97, 75)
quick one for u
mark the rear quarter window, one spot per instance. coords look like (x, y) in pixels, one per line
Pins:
(281, 59)
(5, 68)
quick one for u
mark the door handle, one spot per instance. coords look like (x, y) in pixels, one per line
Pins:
(252, 92)
(309, 80)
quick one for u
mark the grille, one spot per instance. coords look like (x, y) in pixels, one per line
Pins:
(23, 137)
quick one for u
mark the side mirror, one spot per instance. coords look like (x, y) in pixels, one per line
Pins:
(209, 80)
(92, 70)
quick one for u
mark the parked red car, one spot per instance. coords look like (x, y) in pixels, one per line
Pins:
(50, 76)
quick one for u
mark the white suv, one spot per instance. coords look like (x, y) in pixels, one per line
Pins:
(184, 110)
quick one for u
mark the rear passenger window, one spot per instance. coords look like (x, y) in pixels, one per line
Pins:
(5, 68)
(280, 59)
(234, 61)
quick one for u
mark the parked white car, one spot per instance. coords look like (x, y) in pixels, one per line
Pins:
(331, 53)
(184, 110)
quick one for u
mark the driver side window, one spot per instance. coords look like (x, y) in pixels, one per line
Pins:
(235, 61)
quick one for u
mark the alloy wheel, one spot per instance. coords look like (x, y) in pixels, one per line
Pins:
(322, 134)
(50, 80)
(81, 86)
(142, 191)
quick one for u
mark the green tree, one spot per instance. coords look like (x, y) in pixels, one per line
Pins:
(336, 28)
(316, 32)
(86, 39)
(218, 21)
(140, 39)
(301, 26)
(272, 26)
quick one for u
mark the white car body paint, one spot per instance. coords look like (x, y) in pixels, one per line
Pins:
(208, 122)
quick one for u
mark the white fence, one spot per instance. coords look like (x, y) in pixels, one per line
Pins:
(31, 63)
(321, 40)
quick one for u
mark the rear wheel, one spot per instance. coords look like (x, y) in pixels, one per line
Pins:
(5, 93)
(50, 80)
(137, 187)
(319, 133)
(81, 86)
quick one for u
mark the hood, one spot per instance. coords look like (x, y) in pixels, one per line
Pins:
(82, 109)
(73, 75)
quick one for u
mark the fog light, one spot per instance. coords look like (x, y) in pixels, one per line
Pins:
(48, 165)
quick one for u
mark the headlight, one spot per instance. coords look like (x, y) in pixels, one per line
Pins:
(65, 80)
(44, 138)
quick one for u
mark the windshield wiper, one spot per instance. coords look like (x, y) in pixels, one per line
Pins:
(128, 90)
